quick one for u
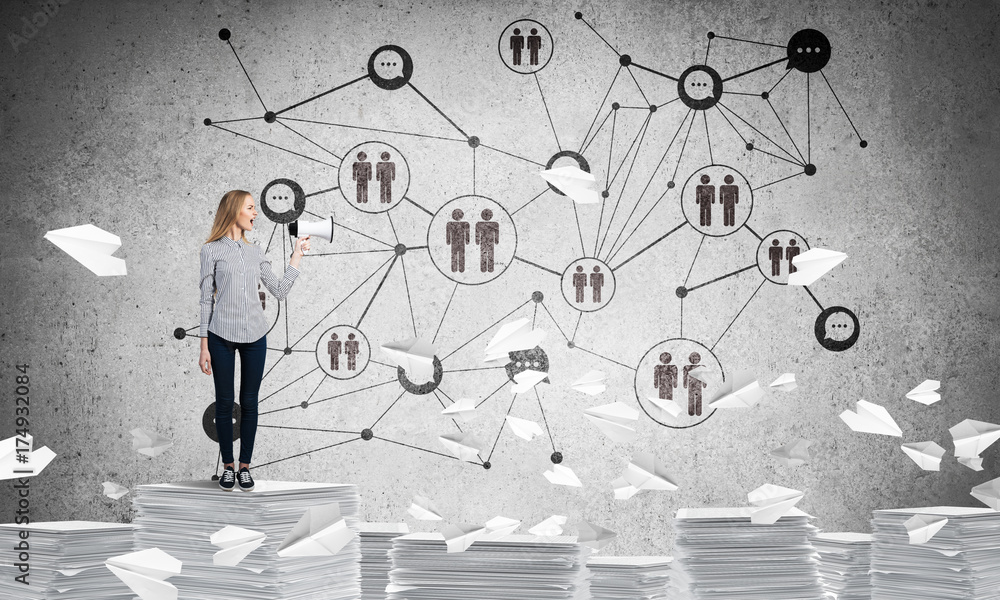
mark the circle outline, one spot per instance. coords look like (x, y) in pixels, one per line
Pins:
(774, 234)
(580, 161)
(849, 342)
(552, 40)
(566, 271)
(704, 103)
(292, 214)
(684, 204)
(320, 341)
(635, 383)
(354, 205)
(390, 84)
(431, 254)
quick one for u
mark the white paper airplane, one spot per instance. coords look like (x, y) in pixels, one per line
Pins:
(644, 472)
(236, 543)
(795, 453)
(594, 536)
(927, 455)
(113, 490)
(563, 475)
(499, 527)
(988, 493)
(144, 572)
(592, 382)
(922, 528)
(423, 509)
(972, 437)
(740, 391)
(525, 380)
(321, 531)
(463, 445)
(926, 392)
(415, 356)
(772, 502)
(574, 182)
(459, 537)
(703, 374)
(523, 428)
(550, 527)
(11, 468)
(785, 383)
(813, 264)
(614, 420)
(464, 409)
(516, 335)
(665, 410)
(149, 442)
(976, 464)
(91, 246)
(871, 418)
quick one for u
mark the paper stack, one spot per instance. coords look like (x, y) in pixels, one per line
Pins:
(844, 560)
(515, 567)
(629, 577)
(720, 554)
(313, 525)
(959, 560)
(376, 542)
(65, 560)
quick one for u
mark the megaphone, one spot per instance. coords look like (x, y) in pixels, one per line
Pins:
(320, 229)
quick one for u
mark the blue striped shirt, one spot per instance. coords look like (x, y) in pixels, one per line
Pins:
(230, 271)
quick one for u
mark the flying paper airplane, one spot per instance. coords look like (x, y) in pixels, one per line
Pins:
(560, 475)
(665, 410)
(591, 383)
(772, 502)
(795, 453)
(550, 527)
(785, 383)
(927, 455)
(523, 428)
(236, 543)
(644, 473)
(423, 509)
(459, 537)
(516, 335)
(321, 531)
(972, 437)
(594, 536)
(525, 380)
(614, 420)
(464, 409)
(113, 490)
(988, 493)
(922, 528)
(741, 391)
(574, 182)
(149, 442)
(926, 392)
(976, 464)
(499, 527)
(91, 246)
(813, 264)
(463, 445)
(415, 356)
(871, 418)
(11, 468)
(144, 573)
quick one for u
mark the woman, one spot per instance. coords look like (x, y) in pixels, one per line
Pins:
(230, 269)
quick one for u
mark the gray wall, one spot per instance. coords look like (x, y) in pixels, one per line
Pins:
(101, 122)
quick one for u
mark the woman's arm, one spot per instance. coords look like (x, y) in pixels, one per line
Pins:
(280, 289)
(207, 289)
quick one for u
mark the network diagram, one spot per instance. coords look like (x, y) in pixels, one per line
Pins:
(472, 239)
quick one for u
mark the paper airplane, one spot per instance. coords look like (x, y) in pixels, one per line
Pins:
(499, 527)
(702, 373)
(926, 392)
(923, 527)
(144, 573)
(459, 537)
(591, 383)
(988, 493)
(149, 442)
(11, 468)
(463, 445)
(813, 264)
(785, 383)
(550, 527)
(423, 509)
(523, 428)
(927, 455)
(91, 246)
(644, 473)
(972, 437)
(415, 356)
(321, 531)
(795, 453)
(236, 543)
(594, 536)
(741, 391)
(574, 182)
(614, 420)
(516, 335)
(665, 410)
(976, 464)
(871, 418)
(772, 502)
(113, 490)
(464, 409)
(527, 379)
(561, 475)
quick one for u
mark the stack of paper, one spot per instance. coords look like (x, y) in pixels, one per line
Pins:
(629, 577)
(515, 567)
(720, 554)
(844, 560)
(376, 542)
(65, 560)
(959, 560)
(310, 549)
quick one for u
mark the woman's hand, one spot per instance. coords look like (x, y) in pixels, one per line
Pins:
(205, 359)
(301, 247)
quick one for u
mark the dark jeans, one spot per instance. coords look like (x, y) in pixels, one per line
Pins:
(223, 353)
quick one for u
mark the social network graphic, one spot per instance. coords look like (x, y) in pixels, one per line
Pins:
(472, 240)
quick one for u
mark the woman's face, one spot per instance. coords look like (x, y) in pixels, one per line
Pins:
(246, 217)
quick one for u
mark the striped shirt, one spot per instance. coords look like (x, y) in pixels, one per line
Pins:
(230, 271)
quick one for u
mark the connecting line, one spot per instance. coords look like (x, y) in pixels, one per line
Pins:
(273, 146)
(350, 252)
(727, 275)
(334, 188)
(237, 120)
(599, 128)
(534, 316)
(683, 147)
(599, 108)
(808, 124)
(409, 301)
(782, 123)
(297, 406)
(579, 229)
(653, 71)
(362, 78)
(780, 60)
(309, 140)
(628, 175)
(258, 466)
(605, 358)
(247, 74)
(447, 306)
(722, 37)
(474, 369)
(375, 437)
(547, 114)
(693, 260)
(530, 201)
(629, 69)
(308, 429)
(787, 71)
(707, 50)
(553, 320)
(778, 181)
(287, 310)
(528, 160)
(556, 273)
(544, 420)
(808, 291)
(776, 145)
(655, 242)
(473, 171)
(494, 392)
(393, 227)
(738, 315)
(607, 173)
(755, 234)
(269, 240)
(578, 319)
(290, 383)
(835, 97)
(487, 329)
(421, 135)
(342, 226)
(280, 358)
(708, 136)
(600, 36)
(411, 201)
(427, 100)
(377, 290)
(502, 423)
(403, 393)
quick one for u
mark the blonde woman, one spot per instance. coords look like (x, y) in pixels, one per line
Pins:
(230, 270)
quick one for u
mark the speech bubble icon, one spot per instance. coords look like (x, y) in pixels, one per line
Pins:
(837, 328)
(808, 51)
(699, 85)
(390, 67)
(388, 64)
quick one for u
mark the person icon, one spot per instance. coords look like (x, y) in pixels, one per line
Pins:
(351, 349)
(362, 173)
(693, 385)
(776, 253)
(579, 282)
(385, 174)
(729, 197)
(457, 236)
(597, 282)
(262, 296)
(665, 377)
(534, 45)
(487, 236)
(333, 348)
(791, 252)
(705, 198)
(516, 46)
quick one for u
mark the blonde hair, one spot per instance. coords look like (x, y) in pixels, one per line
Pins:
(225, 216)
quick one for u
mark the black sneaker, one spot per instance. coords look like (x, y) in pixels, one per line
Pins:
(246, 482)
(228, 480)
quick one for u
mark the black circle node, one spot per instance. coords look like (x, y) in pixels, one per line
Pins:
(287, 351)
(578, 15)
(681, 292)
(864, 143)
(179, 333)
(808, 51)
(537, 296)
(208, 122)
(749, 145)
(670, 185)
(556, 458)
(224, 34)
(810, 169)
(615, 106)
(487, 465)
(270, 117)
(605, 194)
(625, 60)
(570, 344)
(711, 35)
(367, 435)
(765, 95)
(400, 249)
(652, 108)
(473, 141)
(304, 404)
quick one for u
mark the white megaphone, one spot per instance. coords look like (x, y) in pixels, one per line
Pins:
(321, 229)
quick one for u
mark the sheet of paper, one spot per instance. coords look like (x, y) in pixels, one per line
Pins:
(235, 543)
(459, 537)
(523, 428)
(574, 182)
(463, 445)
(972, 437)
(922, 528)
(563, 475)
(616, 420)
(813, 264)
(149, 442)
(525, 380)
(795, 453)
(516, 335)
(11, 468)
(113, 490)
(988, 493)
(740, 391)
(592, 383)
(464, 409)
(927, 455)
(145, 572)
(926, 392)
(772, 502)
(91, 246)
(550, 527)
(785, 383)
(321, 531)
(871, 418)
(594, 536)
(423, 509)
(415, 356)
